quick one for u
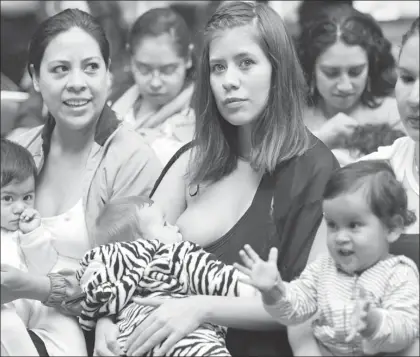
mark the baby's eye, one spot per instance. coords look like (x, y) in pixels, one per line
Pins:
(28, 198)
(331, 225)
(354, 225)
(7, 198)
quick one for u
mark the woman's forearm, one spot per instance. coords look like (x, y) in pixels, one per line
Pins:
(302, 340)
(243, 313)
(38, 288)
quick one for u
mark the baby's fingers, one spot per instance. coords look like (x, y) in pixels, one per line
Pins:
(242, 269)
(352, 335)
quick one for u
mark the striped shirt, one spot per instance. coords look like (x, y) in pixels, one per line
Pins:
(391, 285)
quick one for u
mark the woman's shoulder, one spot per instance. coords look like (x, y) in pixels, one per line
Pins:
(127, 142)
(399, 148)
(385, 113)
(27, 137)
(307, 174)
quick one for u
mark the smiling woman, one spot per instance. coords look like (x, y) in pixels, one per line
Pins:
(85, 157)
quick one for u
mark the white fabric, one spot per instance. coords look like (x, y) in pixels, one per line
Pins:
(61, 334)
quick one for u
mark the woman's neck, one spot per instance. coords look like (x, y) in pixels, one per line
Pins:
(70, 141)
(245, 141)
(329, 112)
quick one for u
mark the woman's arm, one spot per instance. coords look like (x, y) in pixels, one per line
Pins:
(17, 284)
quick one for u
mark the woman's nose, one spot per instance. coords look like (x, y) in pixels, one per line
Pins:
(76, 81)
(230, 79)
(344, 84)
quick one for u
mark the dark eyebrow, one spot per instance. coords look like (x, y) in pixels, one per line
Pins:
(239, 55)
(62, 61)
(328, 67)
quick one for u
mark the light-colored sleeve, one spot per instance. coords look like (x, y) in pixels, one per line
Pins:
(400, 313)
(299, 302)
(137, 174)
(38, 250)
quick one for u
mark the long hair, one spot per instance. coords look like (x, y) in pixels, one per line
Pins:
(279, 133)
(346, 24)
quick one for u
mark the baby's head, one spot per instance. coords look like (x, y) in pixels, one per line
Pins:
(365, 209)
(18, 172)
(134, 217)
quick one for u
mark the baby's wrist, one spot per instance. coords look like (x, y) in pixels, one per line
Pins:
(373, 321)
(273, 295)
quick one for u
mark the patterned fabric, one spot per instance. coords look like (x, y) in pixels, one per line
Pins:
(392, 285)
(150, 268)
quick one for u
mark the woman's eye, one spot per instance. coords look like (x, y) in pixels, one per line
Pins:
(355, 73)
(247, 63)
(60, 69)
(407, 79)
(217, 68)
(92, 67)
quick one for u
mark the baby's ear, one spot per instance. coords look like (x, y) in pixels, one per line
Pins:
(396, 228)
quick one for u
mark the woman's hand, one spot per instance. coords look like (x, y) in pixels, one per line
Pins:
(106, 334)
(171, 321)
(17, 284)
(13, 283)
(341, 125)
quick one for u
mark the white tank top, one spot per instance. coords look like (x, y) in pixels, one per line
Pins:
(70, 234)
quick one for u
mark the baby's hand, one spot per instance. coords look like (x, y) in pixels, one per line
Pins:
(30, 219)
(360, 322)
(261, 274)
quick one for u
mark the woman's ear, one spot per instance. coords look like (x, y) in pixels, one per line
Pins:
(397, 228)
(189, 58)
(35, 80)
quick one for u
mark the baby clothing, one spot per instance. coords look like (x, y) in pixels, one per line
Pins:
(150, 268)
(391, 285)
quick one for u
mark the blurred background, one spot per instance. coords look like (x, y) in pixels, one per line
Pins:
(19, 19)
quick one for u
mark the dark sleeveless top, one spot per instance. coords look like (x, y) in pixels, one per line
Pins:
(285, 212)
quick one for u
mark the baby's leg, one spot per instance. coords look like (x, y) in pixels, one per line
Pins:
(15, 339)
(207, 340)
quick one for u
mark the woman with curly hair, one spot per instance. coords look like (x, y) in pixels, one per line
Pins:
(350, 70)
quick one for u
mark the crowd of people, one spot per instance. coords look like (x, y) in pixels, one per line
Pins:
(253, 195)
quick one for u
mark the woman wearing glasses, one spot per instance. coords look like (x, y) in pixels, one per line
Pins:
(158, 104)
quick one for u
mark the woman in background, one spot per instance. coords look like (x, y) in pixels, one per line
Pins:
(351, 75)
(158, 104)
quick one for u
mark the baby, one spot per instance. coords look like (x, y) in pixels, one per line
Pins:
(367, 299)
(25, 244)
(156, 263)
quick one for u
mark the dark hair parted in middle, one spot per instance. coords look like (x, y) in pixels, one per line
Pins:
(159, 21)
(385, 195)
(279, 133)
(353, 28)
(62, 22)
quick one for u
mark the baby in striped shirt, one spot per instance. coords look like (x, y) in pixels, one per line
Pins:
(366, 300)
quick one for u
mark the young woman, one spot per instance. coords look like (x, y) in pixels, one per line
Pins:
(84, 155)
(256, 176)
(351, 75)
(158, 104)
